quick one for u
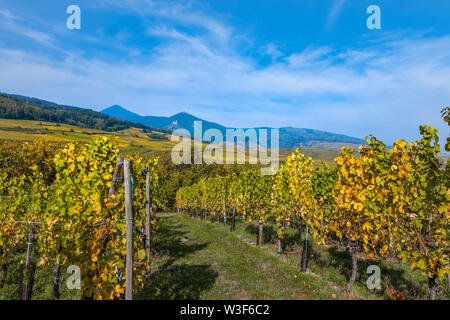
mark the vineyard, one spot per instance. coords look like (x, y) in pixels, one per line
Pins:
(380, 204)
(79, 218)
(85, 205)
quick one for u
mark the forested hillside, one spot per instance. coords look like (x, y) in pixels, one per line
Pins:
(24, 108)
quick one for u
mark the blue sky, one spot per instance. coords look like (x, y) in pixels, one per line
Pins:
(302, 63)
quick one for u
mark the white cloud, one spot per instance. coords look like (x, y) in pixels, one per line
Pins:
(272, 50)
(186, 12)
(308, 56)
(387, 88)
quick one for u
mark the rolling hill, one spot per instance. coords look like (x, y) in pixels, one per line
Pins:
(26, 108)
(129, 140)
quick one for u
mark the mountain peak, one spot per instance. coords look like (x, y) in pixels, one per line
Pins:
(184, 115)
(120, 112)
(115, 107)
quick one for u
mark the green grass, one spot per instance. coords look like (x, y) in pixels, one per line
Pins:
(333, 264)
(203, 260)
(198, 259)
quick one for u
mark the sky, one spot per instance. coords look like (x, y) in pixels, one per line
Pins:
(241, 63)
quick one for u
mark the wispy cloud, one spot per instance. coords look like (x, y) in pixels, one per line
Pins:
(6, 14)
(308, 57)
(334, 12)
(272, 50)
(186, 12)
(15, 24)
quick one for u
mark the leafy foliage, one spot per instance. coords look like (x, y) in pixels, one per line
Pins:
(76, 221)
(381, 203)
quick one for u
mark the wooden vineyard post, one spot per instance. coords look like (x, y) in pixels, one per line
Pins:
(3, 275)
(118, 178)
(304, 263)
(224, 214)
(129, 232)
(27, 284)
(260, 232)
(147, 214)
(233, 221)
(56, 278)
(114, 188)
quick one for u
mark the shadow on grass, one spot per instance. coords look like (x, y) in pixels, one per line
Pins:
(391, 275)
(172, 241)
(177, 281)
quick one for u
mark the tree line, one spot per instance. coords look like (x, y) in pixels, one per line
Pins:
(23, 108)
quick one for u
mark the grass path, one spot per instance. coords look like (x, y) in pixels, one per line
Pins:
(203, 260)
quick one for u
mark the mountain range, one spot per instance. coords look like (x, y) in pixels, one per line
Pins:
(117, 118)
(290, 137)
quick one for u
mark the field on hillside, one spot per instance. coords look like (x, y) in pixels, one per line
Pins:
(130, 140)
